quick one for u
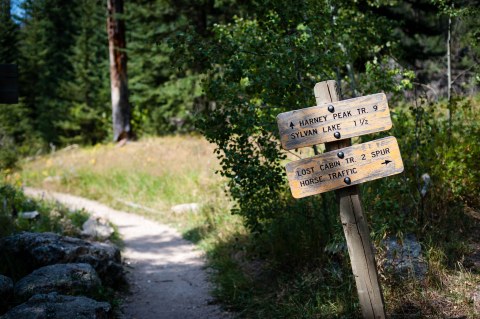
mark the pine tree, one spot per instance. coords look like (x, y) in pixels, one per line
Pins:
(8, 34)
(87, 92)
(47, 40)
(150, 64)
(164, 96)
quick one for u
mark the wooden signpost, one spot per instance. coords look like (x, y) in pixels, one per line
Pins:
(342, 167)
(8, 84)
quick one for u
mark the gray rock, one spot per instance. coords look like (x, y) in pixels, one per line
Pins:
(29, 251)
(52, 179)
(55, 306)
(97, 227)
(6, 292)
(404, 257)
(68, 279)
(29, 215)
(476, 300)
(186, 208)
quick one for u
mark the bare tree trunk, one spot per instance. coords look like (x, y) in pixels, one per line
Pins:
(449, 76)
(121, 112)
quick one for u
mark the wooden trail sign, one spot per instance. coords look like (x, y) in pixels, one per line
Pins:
(344, 167)
(334, 121)
(8, 84)
(355, 227)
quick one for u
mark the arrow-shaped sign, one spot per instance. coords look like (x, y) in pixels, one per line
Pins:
(344, 167)
(334, 121)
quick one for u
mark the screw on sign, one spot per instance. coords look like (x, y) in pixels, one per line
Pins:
(343, 167)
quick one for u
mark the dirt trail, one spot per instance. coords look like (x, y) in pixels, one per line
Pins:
(166, 273)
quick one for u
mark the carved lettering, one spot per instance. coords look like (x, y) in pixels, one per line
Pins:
(305, 133)
(314, 120)
(340, 174)
(382, 152)
(311, 181)
(329, 165)
(331, 128)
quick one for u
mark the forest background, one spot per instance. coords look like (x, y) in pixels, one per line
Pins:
(226, 68)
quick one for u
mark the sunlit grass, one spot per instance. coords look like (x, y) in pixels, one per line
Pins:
(147, 177)
(156, 172)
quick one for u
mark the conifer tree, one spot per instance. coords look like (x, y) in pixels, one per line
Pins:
(86, 94)
(8, 34)
(47, 39)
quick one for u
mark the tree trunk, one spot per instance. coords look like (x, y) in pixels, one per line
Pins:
(449, 76)
(121, 112)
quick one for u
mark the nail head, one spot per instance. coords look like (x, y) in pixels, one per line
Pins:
(331, 109)
(347, 180)
(340, 155)
(337, 135)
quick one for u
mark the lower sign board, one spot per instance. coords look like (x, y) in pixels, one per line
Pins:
(334, 121)
(344, 167)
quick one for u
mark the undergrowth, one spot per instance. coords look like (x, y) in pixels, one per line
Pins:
(52, 217)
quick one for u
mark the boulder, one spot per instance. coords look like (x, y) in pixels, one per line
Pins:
(97, 227)
(404, 257)
(186, 208)
(26, 252)
(29, 215)
(55, 306)
(476, 300)
(68, 279)
(6, 292)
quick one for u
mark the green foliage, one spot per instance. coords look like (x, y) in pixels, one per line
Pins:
(161, 98)
(164, 97)
(46, 42)
(8, 34)
(258, 67)
(8, 153)
(435, 204)
(87, 92)
(52, 217)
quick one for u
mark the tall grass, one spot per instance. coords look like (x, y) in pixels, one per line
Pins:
(156, 173)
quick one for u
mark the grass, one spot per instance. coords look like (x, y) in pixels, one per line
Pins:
(52, 217)
(155, 173)
(149, 176)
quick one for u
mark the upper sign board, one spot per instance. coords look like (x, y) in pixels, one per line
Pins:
(334, 121)
(344, 167)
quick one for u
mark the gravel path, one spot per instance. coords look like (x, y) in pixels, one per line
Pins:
(166, 273)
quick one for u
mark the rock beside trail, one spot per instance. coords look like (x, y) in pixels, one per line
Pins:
(55, 306)
(70, 279)
(186, 208)
(25, 252)
(97, 227)
(476, 300)
(404, 257)
(6, 292)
